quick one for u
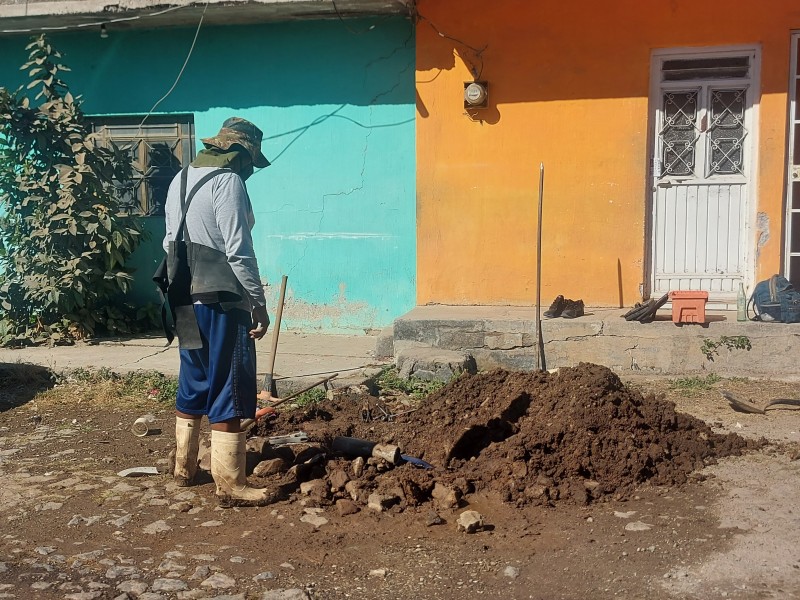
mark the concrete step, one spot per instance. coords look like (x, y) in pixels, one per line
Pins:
(504, 336)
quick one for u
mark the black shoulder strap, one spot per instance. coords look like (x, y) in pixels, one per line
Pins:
(186, 200)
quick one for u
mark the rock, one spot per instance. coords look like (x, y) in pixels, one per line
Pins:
(338, 479)
(433, 518)
(204, 557)
(211, 524)
(259, 445)
(637, 526)
(346, 507)
(445, 496)
(120, 522)
(132, 587)
(181, 507)
(288, 566)
(200, 572)
(42, 585)
(168, 585)
(317, 488)
(238, 559)
(591, 485)
(356, 491)
(358, 466)
(511, 572)
(271, 466)
(263, 576)
(378, 573)
(579, 493)
(156, 527)
(219, 581)
(121, 571)
(84, 596)
(433, 364)
(470, 521)
(169, 565)
(287, 594)
(314, 519)
(81, 520)
(382, 502)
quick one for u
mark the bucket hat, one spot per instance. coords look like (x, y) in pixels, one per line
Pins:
(242, 132)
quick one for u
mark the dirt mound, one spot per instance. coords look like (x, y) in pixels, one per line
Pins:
(578, 435)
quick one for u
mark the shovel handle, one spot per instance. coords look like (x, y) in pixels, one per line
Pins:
(275, 332)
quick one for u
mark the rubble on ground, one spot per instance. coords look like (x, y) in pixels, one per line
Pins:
(577, 436)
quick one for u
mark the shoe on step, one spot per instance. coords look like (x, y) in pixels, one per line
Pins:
(555, 309)
(572, 309)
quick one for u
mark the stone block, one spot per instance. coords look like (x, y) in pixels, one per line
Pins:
(433, 364)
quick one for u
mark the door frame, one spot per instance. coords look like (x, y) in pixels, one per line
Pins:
(657, 57)
(789, 180)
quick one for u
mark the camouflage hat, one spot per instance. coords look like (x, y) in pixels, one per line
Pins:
(239, 131)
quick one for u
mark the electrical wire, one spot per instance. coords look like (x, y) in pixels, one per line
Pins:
(93, 24)
(476, 73)
(346, 26)
(180, 73)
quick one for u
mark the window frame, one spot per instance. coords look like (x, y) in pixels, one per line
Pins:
(128, 130)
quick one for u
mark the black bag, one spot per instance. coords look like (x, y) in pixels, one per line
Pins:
(775, 300)
(173, 277)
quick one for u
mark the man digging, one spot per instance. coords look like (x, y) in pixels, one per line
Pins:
(222, 312)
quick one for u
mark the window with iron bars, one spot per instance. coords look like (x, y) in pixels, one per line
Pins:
(159, 148)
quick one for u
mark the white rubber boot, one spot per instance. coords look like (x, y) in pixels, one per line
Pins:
(228, 458)
(187, 445)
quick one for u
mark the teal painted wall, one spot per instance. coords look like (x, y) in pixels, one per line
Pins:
(336, 210)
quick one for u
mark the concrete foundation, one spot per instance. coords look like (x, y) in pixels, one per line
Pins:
(503, 336)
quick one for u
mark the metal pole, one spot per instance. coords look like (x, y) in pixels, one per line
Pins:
(540, 359)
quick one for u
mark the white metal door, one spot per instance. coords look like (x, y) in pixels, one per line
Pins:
(701, 172)
(791, 267)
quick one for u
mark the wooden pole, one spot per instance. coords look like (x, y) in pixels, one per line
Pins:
(266, 388)
(540, 359)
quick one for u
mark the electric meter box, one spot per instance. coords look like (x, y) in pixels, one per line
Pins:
(476, 94)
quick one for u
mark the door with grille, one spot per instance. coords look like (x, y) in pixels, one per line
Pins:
(701, 172)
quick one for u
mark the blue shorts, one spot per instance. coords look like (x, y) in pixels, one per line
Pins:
(219, 380)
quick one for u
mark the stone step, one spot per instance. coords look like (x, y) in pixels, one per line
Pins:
(505, 337)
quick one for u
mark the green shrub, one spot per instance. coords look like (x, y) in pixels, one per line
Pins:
(64, 239)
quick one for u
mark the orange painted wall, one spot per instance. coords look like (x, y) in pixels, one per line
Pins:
(569, 87)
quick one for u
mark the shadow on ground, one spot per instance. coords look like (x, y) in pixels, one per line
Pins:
(20, 382)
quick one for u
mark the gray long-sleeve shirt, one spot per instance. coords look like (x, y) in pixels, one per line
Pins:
(220, 216)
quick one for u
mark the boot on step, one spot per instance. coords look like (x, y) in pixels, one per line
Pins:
(228, 459)
(187, 445)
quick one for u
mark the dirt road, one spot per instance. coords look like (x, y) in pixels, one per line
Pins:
(72, 528)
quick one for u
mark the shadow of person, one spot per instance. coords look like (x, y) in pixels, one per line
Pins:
(21, 382)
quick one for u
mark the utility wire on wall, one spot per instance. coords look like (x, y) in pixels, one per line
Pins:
(478, 52)
(180, 73)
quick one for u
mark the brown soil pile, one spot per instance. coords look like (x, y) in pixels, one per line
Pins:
(579, 435)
